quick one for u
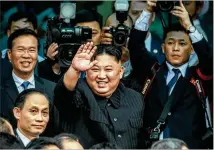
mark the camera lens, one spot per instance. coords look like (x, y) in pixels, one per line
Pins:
(66, 54)
(120, 38)
(165, 6)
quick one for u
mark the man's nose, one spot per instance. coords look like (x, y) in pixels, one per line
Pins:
(176, 47)
(102, 74)
(26, 54)
(39, 117)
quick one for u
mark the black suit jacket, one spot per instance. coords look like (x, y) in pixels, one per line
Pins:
(89, 116)
(186, 121)
(9, 92)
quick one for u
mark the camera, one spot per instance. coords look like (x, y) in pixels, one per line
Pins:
(166, 6)
(121, 32)
(62, 31)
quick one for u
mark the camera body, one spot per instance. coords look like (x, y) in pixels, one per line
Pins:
(68, 38)
(119, 34)
(166, 6)
(62, 31)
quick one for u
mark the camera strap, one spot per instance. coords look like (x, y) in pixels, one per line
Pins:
(201, 94)
(155, 68)
(162, 118)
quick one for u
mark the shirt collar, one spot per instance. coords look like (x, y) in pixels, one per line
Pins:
(24, 139)
(182, 68)
(117, 96)
(19, 80)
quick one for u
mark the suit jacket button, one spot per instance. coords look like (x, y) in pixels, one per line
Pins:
(169, 113)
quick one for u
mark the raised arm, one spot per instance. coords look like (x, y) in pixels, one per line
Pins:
(141, 59)
(200, 45)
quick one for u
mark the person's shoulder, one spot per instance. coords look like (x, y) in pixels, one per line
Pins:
(44, 81)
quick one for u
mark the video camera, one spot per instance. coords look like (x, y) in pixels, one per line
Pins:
(62, 31)
(121, 32)
(167, 6)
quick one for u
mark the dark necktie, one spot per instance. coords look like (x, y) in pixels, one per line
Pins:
(166, 132)
(173, 80)
(25, 84)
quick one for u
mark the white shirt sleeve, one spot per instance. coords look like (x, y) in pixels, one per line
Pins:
(196, 36)
(142, 23)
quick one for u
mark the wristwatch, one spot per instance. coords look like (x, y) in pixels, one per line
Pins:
(191, 29)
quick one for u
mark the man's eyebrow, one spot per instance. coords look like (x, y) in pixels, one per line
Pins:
(181, 39)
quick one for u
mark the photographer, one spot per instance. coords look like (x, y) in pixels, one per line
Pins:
(173, 106)
(50, 68)
(99, 108)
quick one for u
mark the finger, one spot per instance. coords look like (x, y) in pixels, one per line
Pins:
(92, 51)
(54, 54)
(92, 63)
(104, 29)
(106, 40)
(89, 47)
(85, 47)
(55, 46)
(178, 8)
(106, 35)
(181, 3)
(178, 15)
(80, 49)
(107, 43)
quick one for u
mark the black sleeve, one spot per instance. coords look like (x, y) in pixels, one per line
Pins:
(141, 60)
(64, 102)
(45, 71)
(205, 56)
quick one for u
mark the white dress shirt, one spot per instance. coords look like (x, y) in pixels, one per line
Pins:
(19, 81)
(24, 139)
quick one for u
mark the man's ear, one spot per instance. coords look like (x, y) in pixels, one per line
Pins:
(9, 51)
(8, 33)
(16, 112)
(121, 72)
(36, 31)
(163, 48)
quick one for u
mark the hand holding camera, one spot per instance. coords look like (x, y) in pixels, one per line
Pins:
(183, 15)
(106, 37)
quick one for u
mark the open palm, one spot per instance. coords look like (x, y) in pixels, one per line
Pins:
(82, 59)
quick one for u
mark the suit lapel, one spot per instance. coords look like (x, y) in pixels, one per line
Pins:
(17, 136)
(161, 79)
(39, 84)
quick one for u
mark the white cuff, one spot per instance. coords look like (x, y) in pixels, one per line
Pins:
(196, 36)
(142, 23)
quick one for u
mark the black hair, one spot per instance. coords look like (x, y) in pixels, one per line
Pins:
(168, 143)
(105, 145)
(110, 50)
(88, 15)
(19, 33)
(31, 17)
(65, 136)
(41, 143)
(174, 27)
(9, 142)
(4, 126)
(21, 98)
